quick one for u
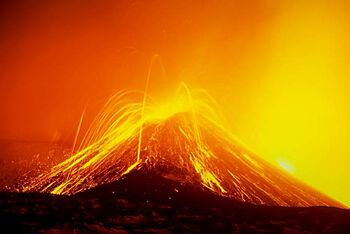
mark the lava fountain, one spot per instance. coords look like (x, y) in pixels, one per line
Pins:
(185, 140)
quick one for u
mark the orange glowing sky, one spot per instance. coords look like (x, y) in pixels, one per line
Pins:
(278, 69)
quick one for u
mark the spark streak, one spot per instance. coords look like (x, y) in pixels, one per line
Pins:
(184, 137)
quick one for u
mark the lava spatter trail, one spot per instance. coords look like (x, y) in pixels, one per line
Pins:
(183, 139)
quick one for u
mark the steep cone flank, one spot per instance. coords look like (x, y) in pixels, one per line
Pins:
(182, 141)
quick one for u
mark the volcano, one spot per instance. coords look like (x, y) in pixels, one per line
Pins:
(183, 141)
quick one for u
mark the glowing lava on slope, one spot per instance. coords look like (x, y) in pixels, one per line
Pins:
(184, 140)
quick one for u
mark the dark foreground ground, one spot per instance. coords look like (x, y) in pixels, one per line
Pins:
(153, 204)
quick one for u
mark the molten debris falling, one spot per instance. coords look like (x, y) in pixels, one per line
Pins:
(184, 140)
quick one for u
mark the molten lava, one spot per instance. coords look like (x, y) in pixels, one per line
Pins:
(184, 140)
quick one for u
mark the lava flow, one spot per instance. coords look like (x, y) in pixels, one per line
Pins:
(184, 140)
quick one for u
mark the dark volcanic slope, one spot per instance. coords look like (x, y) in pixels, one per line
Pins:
(154, 204)
(25, 159)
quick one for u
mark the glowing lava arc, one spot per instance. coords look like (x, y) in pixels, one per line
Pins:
(184, 140)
